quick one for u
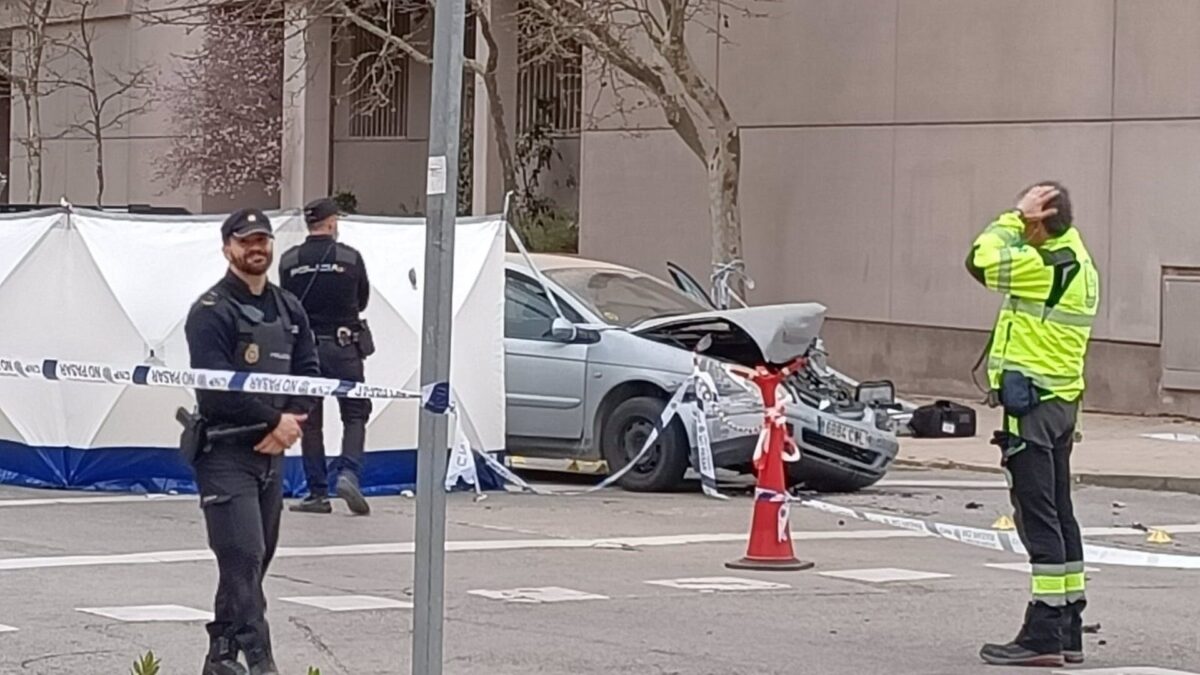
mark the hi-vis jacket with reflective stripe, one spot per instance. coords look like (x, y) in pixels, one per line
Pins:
(1053, 293)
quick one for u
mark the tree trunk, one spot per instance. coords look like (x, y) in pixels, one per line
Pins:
(503, 145)
(33, 147)
(99, 170)
(724, 168)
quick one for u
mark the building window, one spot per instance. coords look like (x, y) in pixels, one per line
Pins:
(549, 82)
(379, 83)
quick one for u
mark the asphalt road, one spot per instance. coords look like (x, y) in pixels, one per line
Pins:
(626, 585)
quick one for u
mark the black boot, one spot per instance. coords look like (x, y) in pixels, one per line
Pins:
(1038, 644)
(222, 658)
(259, 656)
(313, 504)
(347, 488)
(1072, 631)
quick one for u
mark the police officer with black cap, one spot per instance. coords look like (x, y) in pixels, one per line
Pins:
(330, 278)
(245, 323)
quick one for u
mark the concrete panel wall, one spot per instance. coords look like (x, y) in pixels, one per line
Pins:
(880, 137)
(827, 62)
(1157, 58)
(952, 180)
(821, 225)
(963, 60)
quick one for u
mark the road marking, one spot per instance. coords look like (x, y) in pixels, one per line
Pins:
(7, 629)
(348, 603)
(1128, 670)
(1026, 567)
(141, 613)
(406, 548)
(711, 584)
(126, 499)
(945, 484)
(1169, 436)
(885, 574)
(538, 595)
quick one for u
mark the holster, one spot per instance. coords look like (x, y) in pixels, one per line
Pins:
(194, 437)
(1018, 394)
(359, 336)
(364, 340)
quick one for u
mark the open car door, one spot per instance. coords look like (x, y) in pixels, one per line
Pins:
(688, 284)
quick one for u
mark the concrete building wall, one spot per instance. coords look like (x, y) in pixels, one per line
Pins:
(880, 136)
(122, 43)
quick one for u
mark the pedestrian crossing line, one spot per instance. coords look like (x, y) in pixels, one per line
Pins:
(7, 629)
(348, 603)
(535, 596)
(149, 613)
(714, 584)
(881, 575)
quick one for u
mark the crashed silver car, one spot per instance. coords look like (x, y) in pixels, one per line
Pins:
(590, 365)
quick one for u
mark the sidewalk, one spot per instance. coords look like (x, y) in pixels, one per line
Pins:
(1114, 451)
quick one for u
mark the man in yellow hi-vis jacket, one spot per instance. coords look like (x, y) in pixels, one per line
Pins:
(1035, 256)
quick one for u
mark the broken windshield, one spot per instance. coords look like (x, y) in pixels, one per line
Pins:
(624, 297)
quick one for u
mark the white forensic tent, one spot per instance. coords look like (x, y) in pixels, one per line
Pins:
(115, 288)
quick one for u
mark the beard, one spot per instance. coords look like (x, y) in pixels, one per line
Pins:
(254, 263)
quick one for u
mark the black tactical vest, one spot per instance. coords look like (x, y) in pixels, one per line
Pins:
(264, 347)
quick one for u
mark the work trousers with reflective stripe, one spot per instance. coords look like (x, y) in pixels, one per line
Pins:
(1039, 471)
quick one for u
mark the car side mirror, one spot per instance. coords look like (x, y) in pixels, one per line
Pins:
(563, 330)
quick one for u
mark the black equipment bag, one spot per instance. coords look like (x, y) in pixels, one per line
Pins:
(943, 419)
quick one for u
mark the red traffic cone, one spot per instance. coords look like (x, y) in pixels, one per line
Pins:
(770, 546)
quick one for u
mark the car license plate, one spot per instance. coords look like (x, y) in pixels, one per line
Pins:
(844, 433)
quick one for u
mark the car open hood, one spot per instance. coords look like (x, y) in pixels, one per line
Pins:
(749, 335)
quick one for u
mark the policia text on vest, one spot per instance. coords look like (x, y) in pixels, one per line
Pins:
(245, 323)
(1036, 258)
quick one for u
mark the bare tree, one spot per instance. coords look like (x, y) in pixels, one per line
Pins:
(378, 69)
(111, 98)
(370, 75)
(642, 45)
(22, 63)
(226, 106)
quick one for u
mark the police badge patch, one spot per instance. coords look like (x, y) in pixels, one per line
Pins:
(251, 355)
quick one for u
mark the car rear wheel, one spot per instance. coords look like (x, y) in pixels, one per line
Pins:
(625, 432)
(823, 477)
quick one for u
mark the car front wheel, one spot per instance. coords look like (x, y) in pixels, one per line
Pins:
(625, 432)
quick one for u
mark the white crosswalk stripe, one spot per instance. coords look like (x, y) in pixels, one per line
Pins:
(538, 595)
(348, 603)
(140, 613)
(885, 574)
(710, 584)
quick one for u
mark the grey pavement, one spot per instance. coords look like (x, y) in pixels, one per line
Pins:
(604, 550)
(1156, 453)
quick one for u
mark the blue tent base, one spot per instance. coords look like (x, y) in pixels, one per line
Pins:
(162, 471)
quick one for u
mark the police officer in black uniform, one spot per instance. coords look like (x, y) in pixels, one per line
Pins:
(330, 278)
(245, 323)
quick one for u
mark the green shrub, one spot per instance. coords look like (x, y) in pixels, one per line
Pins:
(549, 232)
(147, 665)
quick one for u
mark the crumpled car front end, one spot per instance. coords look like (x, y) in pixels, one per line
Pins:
(845, 444)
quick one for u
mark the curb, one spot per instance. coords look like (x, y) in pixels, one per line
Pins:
(1184, 484)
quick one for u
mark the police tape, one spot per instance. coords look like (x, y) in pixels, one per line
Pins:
(1009, 542)
(435, 397)
(699, 382)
